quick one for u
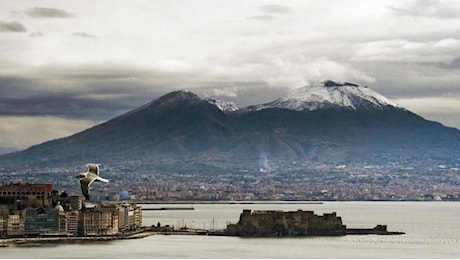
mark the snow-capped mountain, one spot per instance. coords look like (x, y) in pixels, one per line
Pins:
(329, 94)
(181, 132)
(225, 106)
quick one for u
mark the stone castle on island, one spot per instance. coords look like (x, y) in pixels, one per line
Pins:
(272, 223)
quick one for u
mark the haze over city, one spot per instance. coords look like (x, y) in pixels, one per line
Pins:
(66, 67)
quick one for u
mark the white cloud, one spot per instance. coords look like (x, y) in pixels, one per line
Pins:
(276, 9)
(230, 92)
(398, 50)
(444, 9)
(299, 73)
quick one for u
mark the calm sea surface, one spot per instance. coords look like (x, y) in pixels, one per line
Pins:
(432, 231)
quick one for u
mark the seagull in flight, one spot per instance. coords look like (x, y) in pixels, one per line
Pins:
(88, 177)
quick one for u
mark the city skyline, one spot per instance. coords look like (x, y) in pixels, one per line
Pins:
(67, 67)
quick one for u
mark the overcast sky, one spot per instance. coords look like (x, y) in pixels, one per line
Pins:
(68, 65)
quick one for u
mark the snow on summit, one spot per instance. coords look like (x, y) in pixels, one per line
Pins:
(225, 106)
(330, 94)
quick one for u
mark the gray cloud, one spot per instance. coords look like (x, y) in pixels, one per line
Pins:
(97, 92)
(242, 93)
(428, 8)
(271, 12)
(453, 64)
(43, 12)
(12, 27)
(84, 34)
(411, 81)
(69, 105)
(262, 17)
(275, 9)
(36, 34)
(65, 106)
(85, 92)
(51, 105)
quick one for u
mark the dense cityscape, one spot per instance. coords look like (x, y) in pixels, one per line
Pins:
(316, 182)
(35, 210)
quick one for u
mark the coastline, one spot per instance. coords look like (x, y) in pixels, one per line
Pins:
(5, 242)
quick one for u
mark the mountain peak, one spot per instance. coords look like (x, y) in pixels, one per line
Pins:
(225, 106)
(330, 94)
(183, 94)
(186, 96)
(179, 96)
(331, 83)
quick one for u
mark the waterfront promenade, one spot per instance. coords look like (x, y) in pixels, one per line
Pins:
(4, 242)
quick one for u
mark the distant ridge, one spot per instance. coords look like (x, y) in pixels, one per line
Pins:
(331, 123)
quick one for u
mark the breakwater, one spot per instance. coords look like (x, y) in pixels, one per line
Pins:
(148, 231)
(170, 208)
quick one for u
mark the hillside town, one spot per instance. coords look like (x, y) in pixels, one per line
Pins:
(315, 182)
(41, 203)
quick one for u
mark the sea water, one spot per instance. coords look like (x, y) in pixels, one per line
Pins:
(432, 231)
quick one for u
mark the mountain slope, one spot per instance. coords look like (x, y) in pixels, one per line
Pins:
(178, 122)
(182, 132)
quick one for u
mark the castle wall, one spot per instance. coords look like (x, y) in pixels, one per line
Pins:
(292, 223)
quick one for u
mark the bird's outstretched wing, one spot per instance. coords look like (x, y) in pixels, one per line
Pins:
(85, 186)
(93, 168)
(98, 178)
